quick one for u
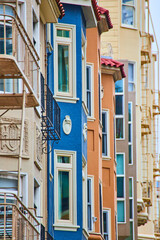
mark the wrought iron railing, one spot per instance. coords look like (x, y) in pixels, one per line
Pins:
(16, 221)
(50, 125)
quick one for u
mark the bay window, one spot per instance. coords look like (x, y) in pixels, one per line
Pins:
(65, 61)
(65, 188)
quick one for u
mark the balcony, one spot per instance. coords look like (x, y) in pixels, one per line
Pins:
(16, 221)
(147, 193)
(19, 69)
(146, 120)
(50, 124)
(147, 40)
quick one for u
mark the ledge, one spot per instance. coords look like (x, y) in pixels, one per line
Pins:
(140, 205)
(66, 99)
(142, 218)
(66, 227)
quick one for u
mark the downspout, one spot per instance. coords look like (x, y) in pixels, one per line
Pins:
(21, 143)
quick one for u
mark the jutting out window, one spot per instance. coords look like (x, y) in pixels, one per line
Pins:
(105, 133)
(131, 77)
(65, 187)
(120, 187)
(64, 60)
(89, 89)
(130, 141)
(106, 224)
(119, 91)
(128, 12)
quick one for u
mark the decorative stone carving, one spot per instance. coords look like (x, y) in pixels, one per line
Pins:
(67, 125)
(38, 144)
(10, 130)
(85, 131)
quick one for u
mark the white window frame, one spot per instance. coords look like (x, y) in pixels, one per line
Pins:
(91, 178)
(91, 66)
(71, 224)
(134, 6)
(132, 198)
(121, 116)
(134, 75)
(130, 143)
(71, 42)
(124, 198)
(107, 120)
(108, 210)
(84, 186)
(84, 78)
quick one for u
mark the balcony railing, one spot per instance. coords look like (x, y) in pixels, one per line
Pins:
(147, 40)
(50, 114)
(19, 67)
(16, 221)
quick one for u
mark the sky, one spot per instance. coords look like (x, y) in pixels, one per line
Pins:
(154, 9)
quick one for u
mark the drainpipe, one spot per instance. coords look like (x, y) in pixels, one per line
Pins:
(21, 143)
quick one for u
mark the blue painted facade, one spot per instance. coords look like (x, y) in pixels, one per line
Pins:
(75, 140)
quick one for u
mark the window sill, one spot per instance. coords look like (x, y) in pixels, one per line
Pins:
(120, 139)
(106, 158)
(129, 27)
(66, 99)
(65, 227)
(91, 119)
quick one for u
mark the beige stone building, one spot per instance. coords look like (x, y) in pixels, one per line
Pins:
(131, 41)
(23, 165)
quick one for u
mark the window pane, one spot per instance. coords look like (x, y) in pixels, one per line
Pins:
(130, 87)
(1, 46)
(129, 133)
(1, 85)
(119, 105)
(120, 187)
(9, 47)
(131, 208)
(128, 15)
(120, 164)
(89, 218)
(130, 2)
(106, 221)
(62, 159)
(63, 195)
(89, 90)
(89, 190)
(119, 86)
(104, 122)
(131, 231)
(130, 153)
(63, 33)
(119, 127)
(129, 112)
(89, 204)
(130, 72)
(104, 144)
(1, 31)
(120, 211)
(63, 68)
(9, 85)
(130, 187)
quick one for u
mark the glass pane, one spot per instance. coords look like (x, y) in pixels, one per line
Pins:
(130, 153)
(120, 164)
(104, 144)
(1, 31)
(16, 86)
(106, 221)
(89, 103)
(129, 133)
(63, 68)
(131, 232)
(120, 187)
(1, 85)
(128, 15)
(130, 72)
(9, 10)
(9, 85)
(129, 112)
(63, 33)
(89, 190)
(130, 2)
(119, 86)
(8, 31)
(120, 211)
(89, 218)
(63, 159)
(119, 127)
(7, 183)
(119, 105)
(1, 46)
(104, 119)
(9, 46)
(131, 208)
(130, 87)
(130, 187)
(63, 195)
(88, 78)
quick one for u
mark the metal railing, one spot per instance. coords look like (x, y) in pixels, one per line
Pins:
(16, 46)
(16, 221)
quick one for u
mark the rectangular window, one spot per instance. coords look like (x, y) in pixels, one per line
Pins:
(128, 12)
(106, 224)
(131, 78)
(131, 209)
(100, 207)
(89, 89)
(65, 187)
(65, 60)
(90, 203)
(84, 77)
(120, 187)
(105, 133)
(119, 92)
(130, 141)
